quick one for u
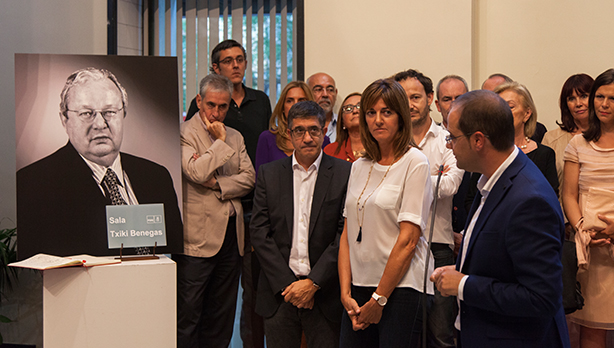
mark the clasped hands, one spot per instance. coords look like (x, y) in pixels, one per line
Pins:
(362, 317)
(300, 293)
(605, 236)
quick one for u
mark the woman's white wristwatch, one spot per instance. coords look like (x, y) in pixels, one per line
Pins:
(381, 300)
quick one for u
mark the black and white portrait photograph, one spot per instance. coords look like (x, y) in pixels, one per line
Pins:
(93, 131)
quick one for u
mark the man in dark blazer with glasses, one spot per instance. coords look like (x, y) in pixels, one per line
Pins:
(296, 225)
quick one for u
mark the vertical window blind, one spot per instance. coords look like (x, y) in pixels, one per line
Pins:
(270, 30)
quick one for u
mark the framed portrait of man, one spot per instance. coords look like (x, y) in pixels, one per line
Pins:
(94, 131)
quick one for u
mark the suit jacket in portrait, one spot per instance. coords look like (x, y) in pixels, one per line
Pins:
(271, 233)
(206, 211)
(513, 296)
(62, 211)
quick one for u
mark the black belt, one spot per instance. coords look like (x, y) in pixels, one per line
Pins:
(439, 246)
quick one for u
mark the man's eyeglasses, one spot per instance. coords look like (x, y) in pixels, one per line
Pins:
(88, 115)
(227, 61)
(450, 138)
(299, 132)
(348, 109)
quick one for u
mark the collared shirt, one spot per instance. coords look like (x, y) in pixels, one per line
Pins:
(125, 189)
(304, 184)
(485, 185)
(332, 128)
(345, 152)
(433, 145)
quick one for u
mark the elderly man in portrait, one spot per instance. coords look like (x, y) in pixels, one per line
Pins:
(298, 204)
(217, 172)
(325, 91)
(61, 198)
(508, 274)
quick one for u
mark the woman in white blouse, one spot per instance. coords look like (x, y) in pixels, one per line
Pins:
(383, 251)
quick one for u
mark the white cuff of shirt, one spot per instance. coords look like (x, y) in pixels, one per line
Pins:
(461, 287)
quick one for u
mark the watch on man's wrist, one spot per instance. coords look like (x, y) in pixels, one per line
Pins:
(381, 300)
(315, 285)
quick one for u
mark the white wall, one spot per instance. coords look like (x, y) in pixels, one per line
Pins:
(36, 26)
(542, 43)
(360, 41)
(538, 43)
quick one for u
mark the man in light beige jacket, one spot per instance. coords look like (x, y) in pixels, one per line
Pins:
(217, 172)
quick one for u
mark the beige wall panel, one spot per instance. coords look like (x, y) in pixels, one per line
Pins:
(541, 43)
(360, 41)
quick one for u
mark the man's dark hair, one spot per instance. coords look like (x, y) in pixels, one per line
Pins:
(593, 133)
(484, 111)
(305, 109)
(224, 45)
(411, 73)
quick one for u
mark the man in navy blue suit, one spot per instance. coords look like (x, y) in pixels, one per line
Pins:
(508, 273)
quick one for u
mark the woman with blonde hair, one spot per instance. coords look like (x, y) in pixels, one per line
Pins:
(523, 108)
(274, 143)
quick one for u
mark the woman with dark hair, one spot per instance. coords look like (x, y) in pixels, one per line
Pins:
(382, 250)
(274, 144)
(348, 146)
(588, 194)
(574, 118)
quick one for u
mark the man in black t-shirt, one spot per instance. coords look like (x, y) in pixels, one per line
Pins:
(250, 109)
